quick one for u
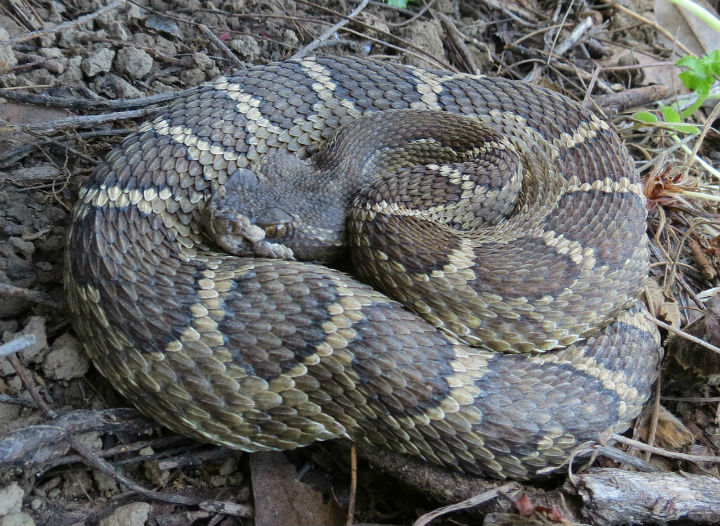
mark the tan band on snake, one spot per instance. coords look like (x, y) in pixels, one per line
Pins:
(503, 223)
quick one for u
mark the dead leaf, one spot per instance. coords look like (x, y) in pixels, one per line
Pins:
(700, 360)
(688, 29)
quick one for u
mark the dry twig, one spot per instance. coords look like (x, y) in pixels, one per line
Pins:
(65, 25)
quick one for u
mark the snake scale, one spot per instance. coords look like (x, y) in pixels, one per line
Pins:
(527, 236)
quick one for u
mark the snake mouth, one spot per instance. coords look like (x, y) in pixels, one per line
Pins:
(238, 235)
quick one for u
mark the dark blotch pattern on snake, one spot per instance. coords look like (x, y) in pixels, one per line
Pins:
(527, 236)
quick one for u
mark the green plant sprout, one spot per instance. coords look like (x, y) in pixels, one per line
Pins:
(698, 77)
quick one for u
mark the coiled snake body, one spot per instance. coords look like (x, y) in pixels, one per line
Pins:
(529, 236)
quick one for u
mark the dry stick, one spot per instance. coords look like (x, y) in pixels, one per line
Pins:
(221, 46)
(706, 128)
(329, 31)
(419, 52)
(214, 506)
(577, 33)
(87, 121)
(626, 458)
(469, 503)
(78, 103)
(655, 416)
(655, 25)
(664, 452)
(17, 345)
(591, 86)
(64, 25)
(632, 98)
(229, 508)
(562, 23)
(353, 486)
(27, 381)
(7, 399)
(456, 37)
(692, 399)
(30, 20)
(30, 295)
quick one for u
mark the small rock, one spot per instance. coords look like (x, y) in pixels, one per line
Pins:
(51, 52)
(202, 61)
(134, 514)
(11, 499)
(98, 62)
(218, 481)
(290, 38)
(115, 87)
(133, 61)
(159, 477)
(246, 46)
(144, 40)
(17, 519)
(229, 466)
(9, 413)
(164, 46)
(7, 57)
(73, 72)
(117, 30)
(54, 65)
(162, 24)
(43, 489)
(159, 87)
(66, 360)
(25, 247)
(38, 77)
(70, 38)
(77, 483)
(103, 481)
(192, 77)
(91, 440)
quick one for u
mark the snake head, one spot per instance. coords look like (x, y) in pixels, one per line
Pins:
(255, 214)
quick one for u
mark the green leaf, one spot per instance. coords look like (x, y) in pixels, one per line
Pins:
(646, 116)
(670, 114)
(701, 72)
(402, 4)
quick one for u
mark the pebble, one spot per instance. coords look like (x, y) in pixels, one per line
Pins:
(134, 514)
(17, 519)
(66, 359)
(11, 499)
(192, 77)
(133, 61)
(103, 481)
(115, 87)
(73, 72)
(202, 61)
(247, 47)
(98, 62)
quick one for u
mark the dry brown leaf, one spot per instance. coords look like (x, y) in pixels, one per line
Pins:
(690, 30)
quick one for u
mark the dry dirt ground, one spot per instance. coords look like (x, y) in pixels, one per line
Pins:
(152, 47)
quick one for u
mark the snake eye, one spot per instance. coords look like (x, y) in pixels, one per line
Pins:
(276, 230)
